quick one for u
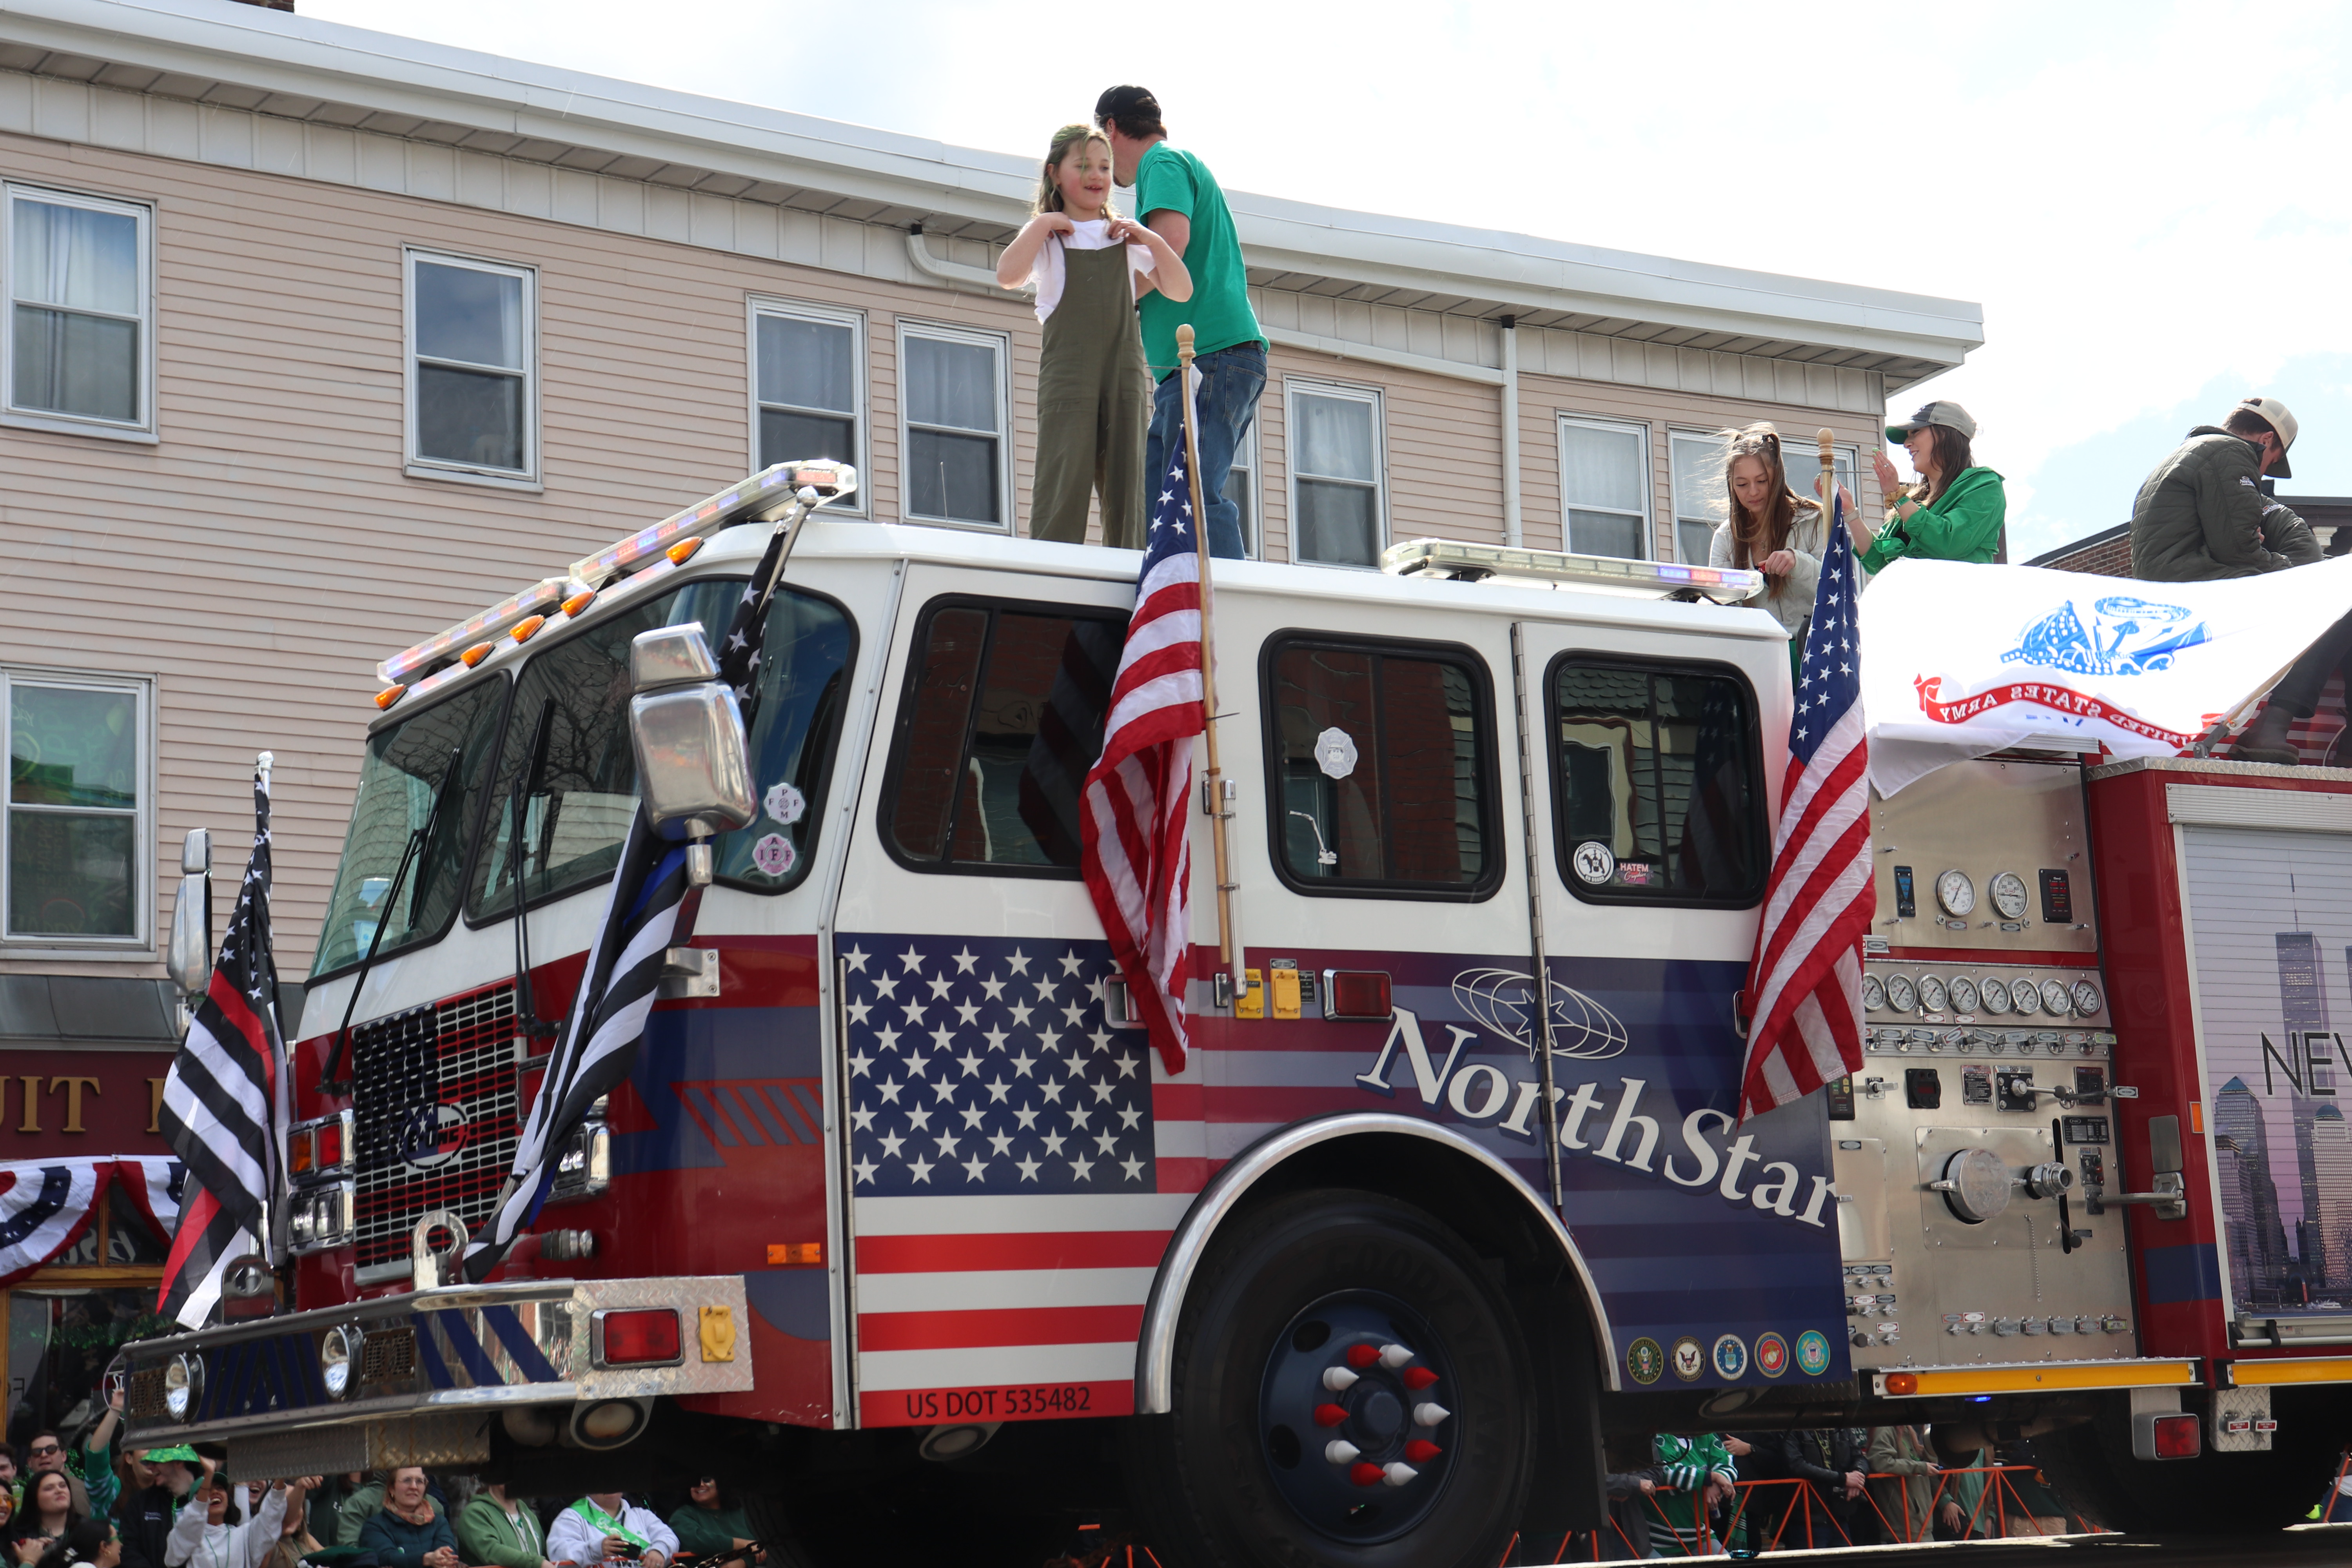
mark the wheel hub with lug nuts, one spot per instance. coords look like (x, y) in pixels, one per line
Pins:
(1349, 1411)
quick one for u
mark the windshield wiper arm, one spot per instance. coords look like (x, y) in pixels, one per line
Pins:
(527, 1019)
(328, 1082)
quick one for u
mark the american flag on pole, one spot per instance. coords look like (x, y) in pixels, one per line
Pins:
(641, 921)
(1132, 832)
(1804, 984)
(224, 1103)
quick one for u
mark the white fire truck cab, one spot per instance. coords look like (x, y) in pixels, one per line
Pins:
(899, 1224)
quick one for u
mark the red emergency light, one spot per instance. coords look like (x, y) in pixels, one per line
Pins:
(2177, 1437)
(1358, 996)
(639, 1336)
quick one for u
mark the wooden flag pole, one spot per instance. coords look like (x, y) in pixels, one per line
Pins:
(1229, 957)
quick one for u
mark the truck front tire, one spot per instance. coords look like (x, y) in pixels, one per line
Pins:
(1350, 1390)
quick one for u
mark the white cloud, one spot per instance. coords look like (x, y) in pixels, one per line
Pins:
(2146, 200)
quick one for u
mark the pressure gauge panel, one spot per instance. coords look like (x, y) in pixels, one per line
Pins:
(1964, 994)
(1932, 996)
(1901, 995)
(2009, 895)
(2025, 995)
(1956, 893)
(2086, 997)
(1996, 994)
(1874, 993)
(2054, 999)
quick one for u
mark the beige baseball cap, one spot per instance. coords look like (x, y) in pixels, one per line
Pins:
(2274, 413)
(1951, 415)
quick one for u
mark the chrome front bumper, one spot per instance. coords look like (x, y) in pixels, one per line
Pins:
(434, 1369)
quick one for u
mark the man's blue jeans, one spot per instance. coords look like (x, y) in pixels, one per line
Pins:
(1231, 381)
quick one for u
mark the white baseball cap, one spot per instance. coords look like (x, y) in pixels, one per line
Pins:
(2274, 413)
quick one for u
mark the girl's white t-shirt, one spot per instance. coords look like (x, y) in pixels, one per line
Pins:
(1049, 273)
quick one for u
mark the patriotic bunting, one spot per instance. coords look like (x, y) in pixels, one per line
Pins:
(46, 1206)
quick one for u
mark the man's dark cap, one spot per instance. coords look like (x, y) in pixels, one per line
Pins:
(1130, 105)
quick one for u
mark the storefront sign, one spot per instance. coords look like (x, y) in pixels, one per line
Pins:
(80, 1103)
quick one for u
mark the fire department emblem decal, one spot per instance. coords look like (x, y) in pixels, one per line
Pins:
(433, 1134)
(1771, 1354)
(1645, 1360)
(1688, 1360)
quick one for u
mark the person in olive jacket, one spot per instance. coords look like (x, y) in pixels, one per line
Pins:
(1956, 510)
(2203, 516)
(410, 1532)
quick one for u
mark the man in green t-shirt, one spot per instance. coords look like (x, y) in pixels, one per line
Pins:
(1180, 200)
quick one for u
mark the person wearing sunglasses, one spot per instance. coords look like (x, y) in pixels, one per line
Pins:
(708, 1526)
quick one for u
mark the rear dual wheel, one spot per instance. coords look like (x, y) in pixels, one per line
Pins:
(1351, 1391)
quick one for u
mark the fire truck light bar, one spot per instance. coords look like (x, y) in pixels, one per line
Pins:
(1469, 562)
(764, 495)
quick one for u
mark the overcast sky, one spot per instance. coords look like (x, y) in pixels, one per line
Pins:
(2151, 202)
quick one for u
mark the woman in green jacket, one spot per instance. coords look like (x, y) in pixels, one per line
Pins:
(494, 1531)
(708, 1528)
(1954, 513)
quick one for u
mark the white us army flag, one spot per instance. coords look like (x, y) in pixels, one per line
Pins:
(1961, 659)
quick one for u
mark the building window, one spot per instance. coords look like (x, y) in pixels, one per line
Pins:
(1701, 493)
(78, 784)
(1002, 717)
(1604, 487)
(1336, 465)
(473, 346)
(1241, 488)
(808, 391)
(80, 308)
(1381, 765)
(1657, 784)
(955, 402)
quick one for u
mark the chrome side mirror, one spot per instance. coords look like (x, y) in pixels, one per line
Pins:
(693, 759)
(188, 959)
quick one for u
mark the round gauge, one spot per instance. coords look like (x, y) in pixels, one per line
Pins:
(1955, 892)
(1996, 996)
(1874, 993)
(1964, 994)
(1932, 994)
(1901, 995)
(2026, 996)
(2007, 891)
(2054, 1000)
(2087, 999)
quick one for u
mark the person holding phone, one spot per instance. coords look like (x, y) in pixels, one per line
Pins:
(605, 1527)
(1956, 510)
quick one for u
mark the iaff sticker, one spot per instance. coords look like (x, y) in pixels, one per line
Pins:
(1771, 1354)
(1645, 1360)
(1689, 1360)
(775, 855)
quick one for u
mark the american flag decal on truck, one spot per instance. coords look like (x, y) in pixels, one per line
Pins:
(1004, 1179)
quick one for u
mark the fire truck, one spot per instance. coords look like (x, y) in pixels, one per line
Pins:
(901, 1227)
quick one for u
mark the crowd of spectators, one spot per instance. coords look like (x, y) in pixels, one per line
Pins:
(75, 1505)
(1828, 1487)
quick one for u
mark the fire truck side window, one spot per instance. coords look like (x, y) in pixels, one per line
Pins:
(1382, 768)
(406, 770)
(1002, 717)
(1656, 783)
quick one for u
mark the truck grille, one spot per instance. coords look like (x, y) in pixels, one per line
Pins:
(434, 1099)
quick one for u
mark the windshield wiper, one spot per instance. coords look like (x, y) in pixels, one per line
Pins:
(527, 1019)
(329, 1083)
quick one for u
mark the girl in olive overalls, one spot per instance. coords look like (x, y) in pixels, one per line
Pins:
(1094, 392)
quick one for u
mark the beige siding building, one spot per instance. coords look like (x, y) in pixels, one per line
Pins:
(324, 339)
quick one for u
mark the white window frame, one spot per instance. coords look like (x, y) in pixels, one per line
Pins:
(1674, 484)
(1253, 539)
(141, 943)
(860, 411)
(1801, 470)
(1293, 389)
(141, 429)
(1648, 488)
(418, 466)
(1001, 345)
